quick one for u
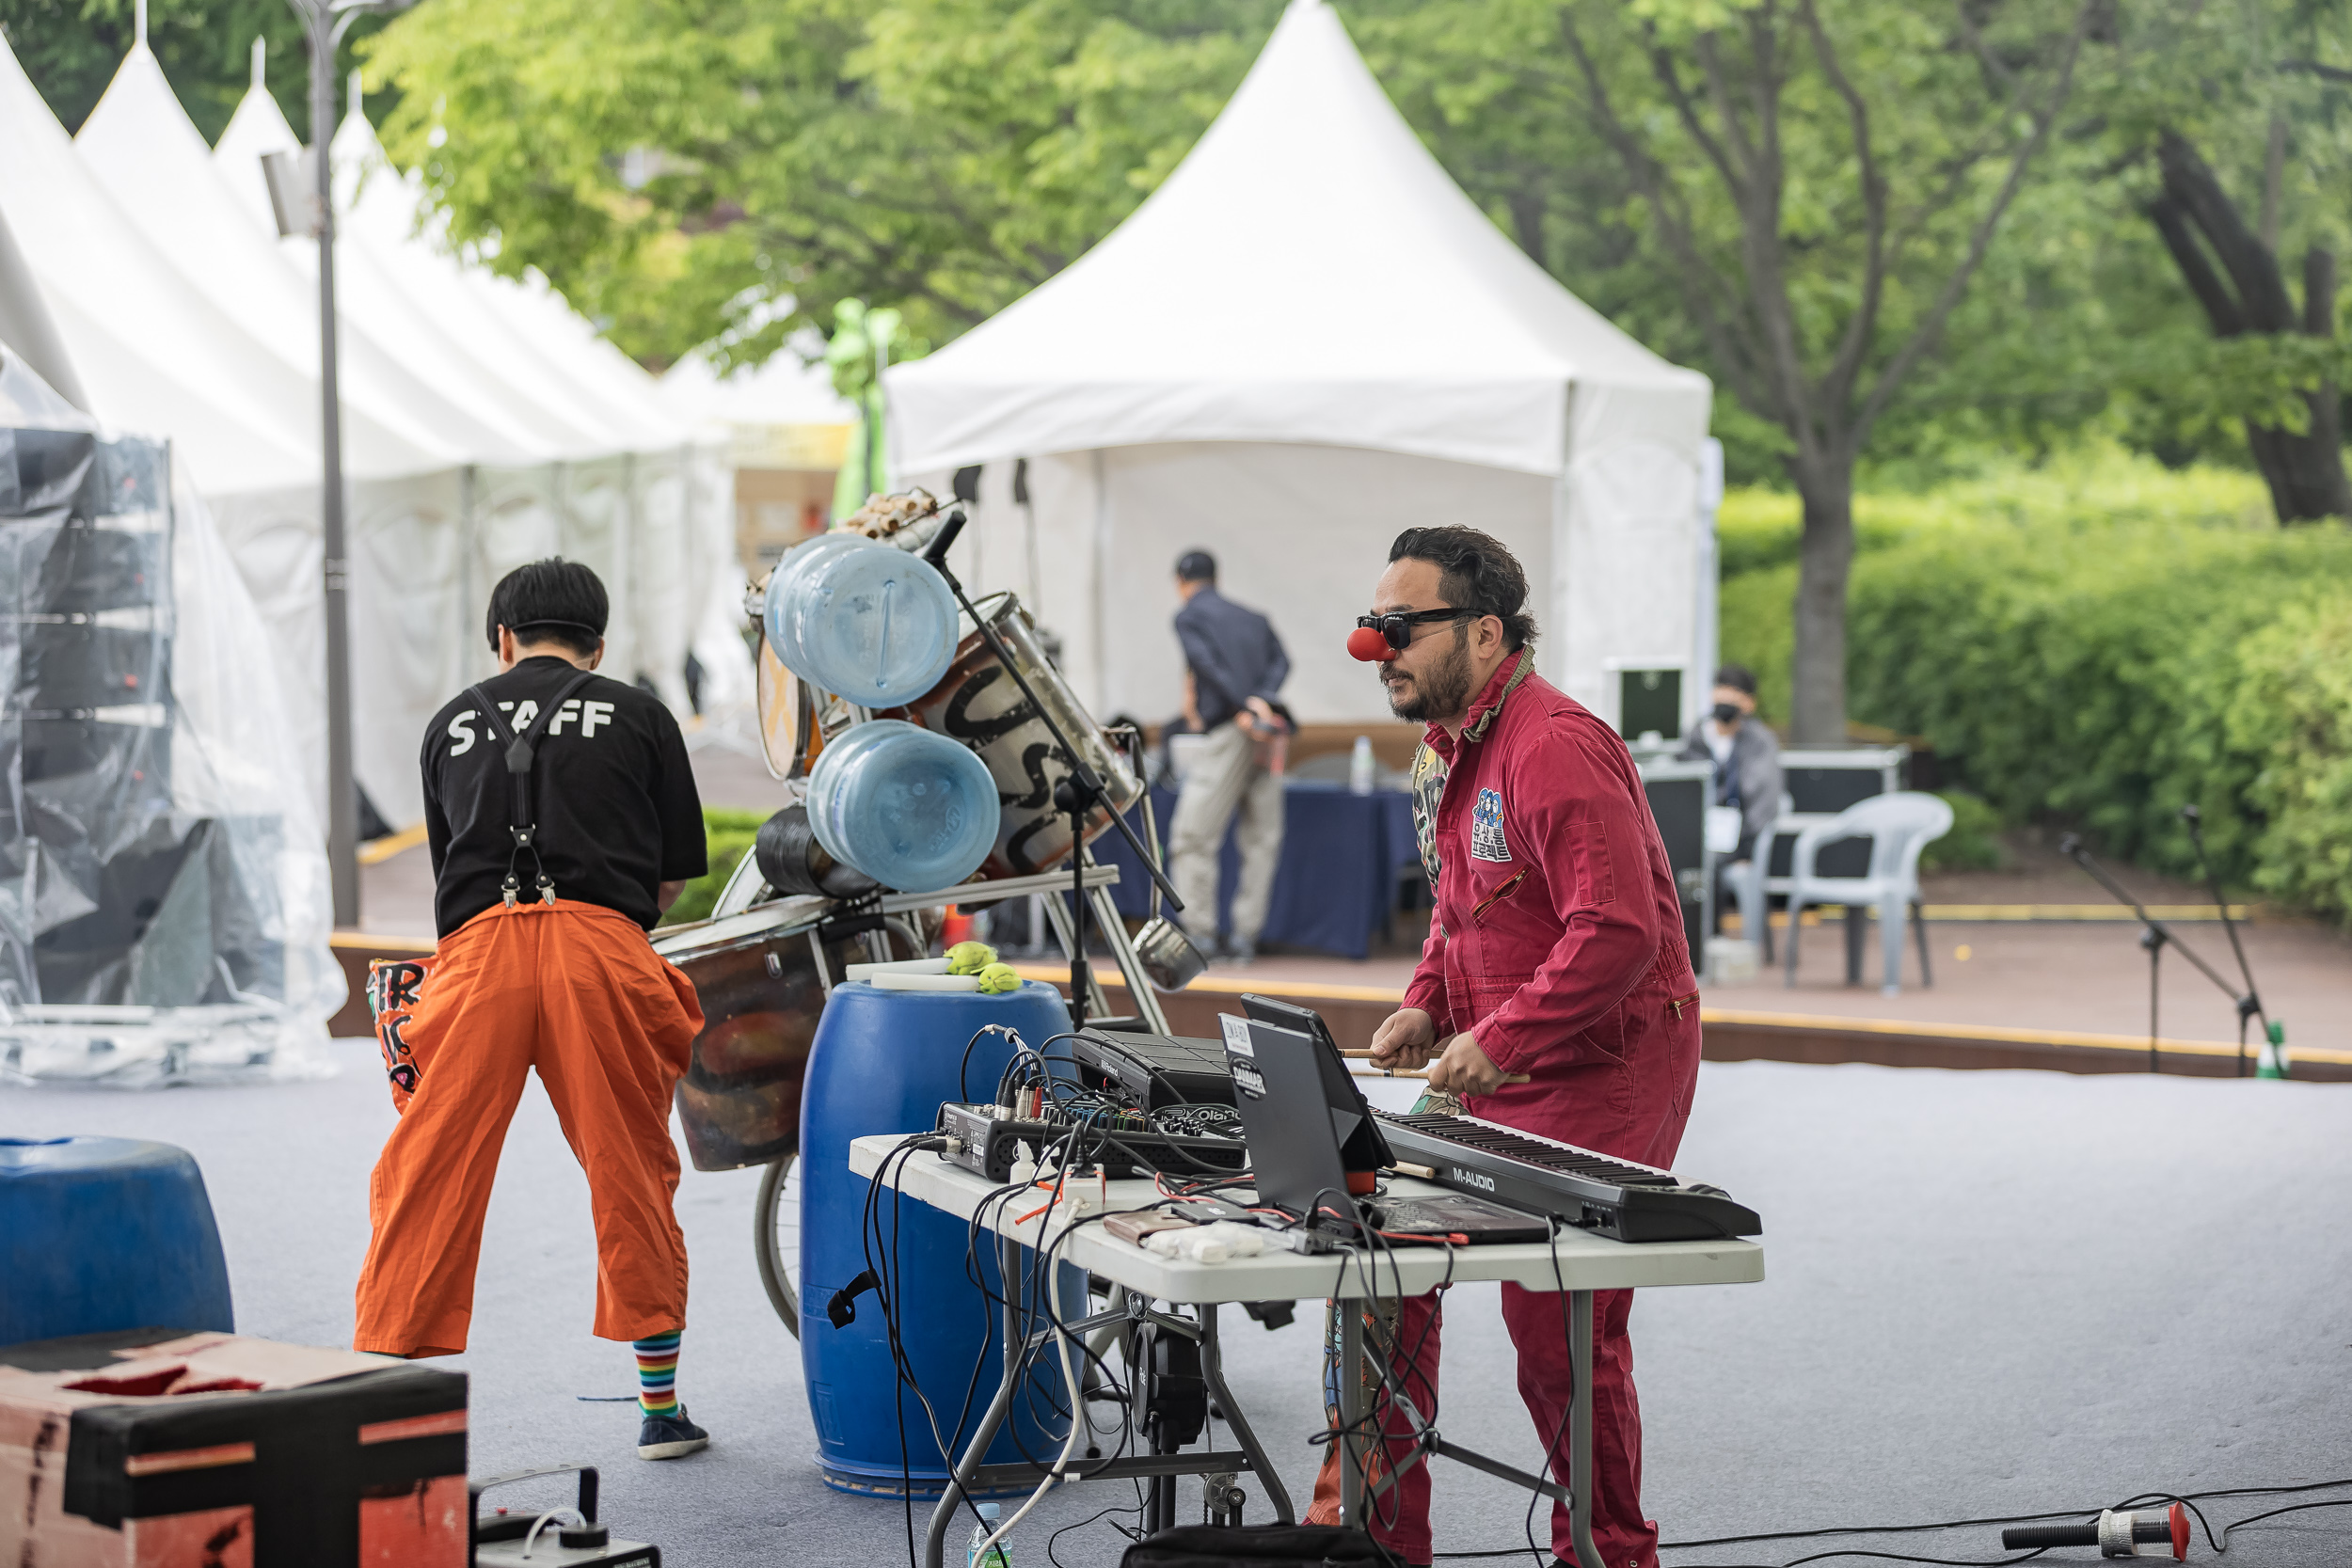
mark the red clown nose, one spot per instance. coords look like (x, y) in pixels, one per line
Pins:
(1365, 643)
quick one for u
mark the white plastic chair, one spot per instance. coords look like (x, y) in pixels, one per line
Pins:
(1898, 826)
(1753, 888)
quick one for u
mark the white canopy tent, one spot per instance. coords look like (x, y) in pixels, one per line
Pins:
(752, 419)
(571, 453)
(232, 757)
(1305, 341)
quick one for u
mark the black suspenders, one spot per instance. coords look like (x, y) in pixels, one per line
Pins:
(521, 751)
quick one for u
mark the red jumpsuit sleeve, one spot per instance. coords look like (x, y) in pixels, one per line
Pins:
(1426, 990)
(1592, 832)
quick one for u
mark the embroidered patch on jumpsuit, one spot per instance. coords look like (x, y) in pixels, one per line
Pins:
(1486, 828)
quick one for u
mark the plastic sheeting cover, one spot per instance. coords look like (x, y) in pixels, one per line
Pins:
(164, 906)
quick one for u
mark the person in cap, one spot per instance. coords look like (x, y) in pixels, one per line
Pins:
(563, 818)
(1234, 670)
(1556, 956)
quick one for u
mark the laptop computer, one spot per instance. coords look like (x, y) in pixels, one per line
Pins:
(1296, 1116)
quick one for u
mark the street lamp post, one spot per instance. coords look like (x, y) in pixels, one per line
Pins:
(325, 23)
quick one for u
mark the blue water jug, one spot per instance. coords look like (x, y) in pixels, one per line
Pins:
(913, 810)
(99, 1234)
(882, 1062)
(780, 613)
(864, 620)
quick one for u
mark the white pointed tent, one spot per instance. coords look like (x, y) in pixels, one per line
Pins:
(1305, 341)
(573, 454)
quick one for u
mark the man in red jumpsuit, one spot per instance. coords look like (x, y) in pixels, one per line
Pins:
(1556, 951)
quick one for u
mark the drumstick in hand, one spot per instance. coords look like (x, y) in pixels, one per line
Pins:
(1416, 1071)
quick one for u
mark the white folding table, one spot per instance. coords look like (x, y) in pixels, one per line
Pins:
(1577, 1260)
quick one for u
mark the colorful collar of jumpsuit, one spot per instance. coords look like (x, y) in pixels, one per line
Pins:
(1483, 711)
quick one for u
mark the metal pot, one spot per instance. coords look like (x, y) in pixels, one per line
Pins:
(1167, 953)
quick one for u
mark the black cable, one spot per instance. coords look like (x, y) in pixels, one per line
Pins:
(2297, 1508)
(2187, 1499)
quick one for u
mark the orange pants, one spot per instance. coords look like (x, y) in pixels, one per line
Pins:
(574, 991)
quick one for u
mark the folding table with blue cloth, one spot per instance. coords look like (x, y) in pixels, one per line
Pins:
(1336, 883)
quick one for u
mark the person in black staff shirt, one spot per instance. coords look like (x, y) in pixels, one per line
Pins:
(543, 963)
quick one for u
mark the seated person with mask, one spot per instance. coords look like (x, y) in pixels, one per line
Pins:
(1746, 756)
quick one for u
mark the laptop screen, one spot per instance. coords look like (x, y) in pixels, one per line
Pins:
(1361, 1143)
(1287, 1117)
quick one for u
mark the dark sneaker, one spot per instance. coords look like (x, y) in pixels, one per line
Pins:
(670, 1436)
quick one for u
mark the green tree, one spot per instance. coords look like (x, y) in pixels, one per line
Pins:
(2252, 97)
(1800, 192)
(675, 165)
(72, 49)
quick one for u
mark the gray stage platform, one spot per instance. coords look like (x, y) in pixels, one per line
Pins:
(1990, 1294)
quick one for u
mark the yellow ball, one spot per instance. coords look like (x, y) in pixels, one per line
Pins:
(997, 978)
(970, 958)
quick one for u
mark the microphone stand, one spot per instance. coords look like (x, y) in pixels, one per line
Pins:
(2154, 937)
(1077, 794)
(2250, 1006)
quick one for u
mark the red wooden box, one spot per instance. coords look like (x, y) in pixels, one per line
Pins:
(209, 1451)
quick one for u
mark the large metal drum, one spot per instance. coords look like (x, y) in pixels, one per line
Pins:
(756, 975)
(978, 703)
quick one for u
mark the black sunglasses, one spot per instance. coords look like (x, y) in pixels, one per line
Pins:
(1397, 627)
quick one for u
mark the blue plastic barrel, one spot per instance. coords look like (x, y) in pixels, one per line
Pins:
(99, 1234)
(882, 1062)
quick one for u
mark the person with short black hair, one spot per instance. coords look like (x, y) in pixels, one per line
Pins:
(1234, 670)
(1746, 756)
(563, 818)
(1554, 993)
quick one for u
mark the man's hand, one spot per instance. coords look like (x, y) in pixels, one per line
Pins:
(1464, 1069)
(1405, 1038)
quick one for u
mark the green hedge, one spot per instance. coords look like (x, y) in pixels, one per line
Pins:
(729, 835)
(2107, 645)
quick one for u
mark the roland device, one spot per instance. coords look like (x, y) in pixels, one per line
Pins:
(1617, 1198)
(983, 1140)
(1299, 1118)
(1154, 1071)
(564, 1538)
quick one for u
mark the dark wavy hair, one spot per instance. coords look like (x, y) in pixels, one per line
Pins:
(553, 600)
(1474, 573)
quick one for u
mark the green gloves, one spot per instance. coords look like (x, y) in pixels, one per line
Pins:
(997, 978)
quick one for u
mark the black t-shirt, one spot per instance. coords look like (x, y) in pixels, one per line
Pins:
(612, 789)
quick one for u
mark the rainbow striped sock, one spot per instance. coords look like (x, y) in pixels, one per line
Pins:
(657, 1373)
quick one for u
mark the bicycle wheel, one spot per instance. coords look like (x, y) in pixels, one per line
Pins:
(776, 1238)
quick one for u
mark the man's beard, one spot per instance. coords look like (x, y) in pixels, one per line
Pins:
(1442, 693)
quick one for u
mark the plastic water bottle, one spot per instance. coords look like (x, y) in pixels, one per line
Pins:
(1363, 771)
(913, 810)
(995, 1557)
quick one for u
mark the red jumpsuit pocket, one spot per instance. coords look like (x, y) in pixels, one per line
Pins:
(1587, 848)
